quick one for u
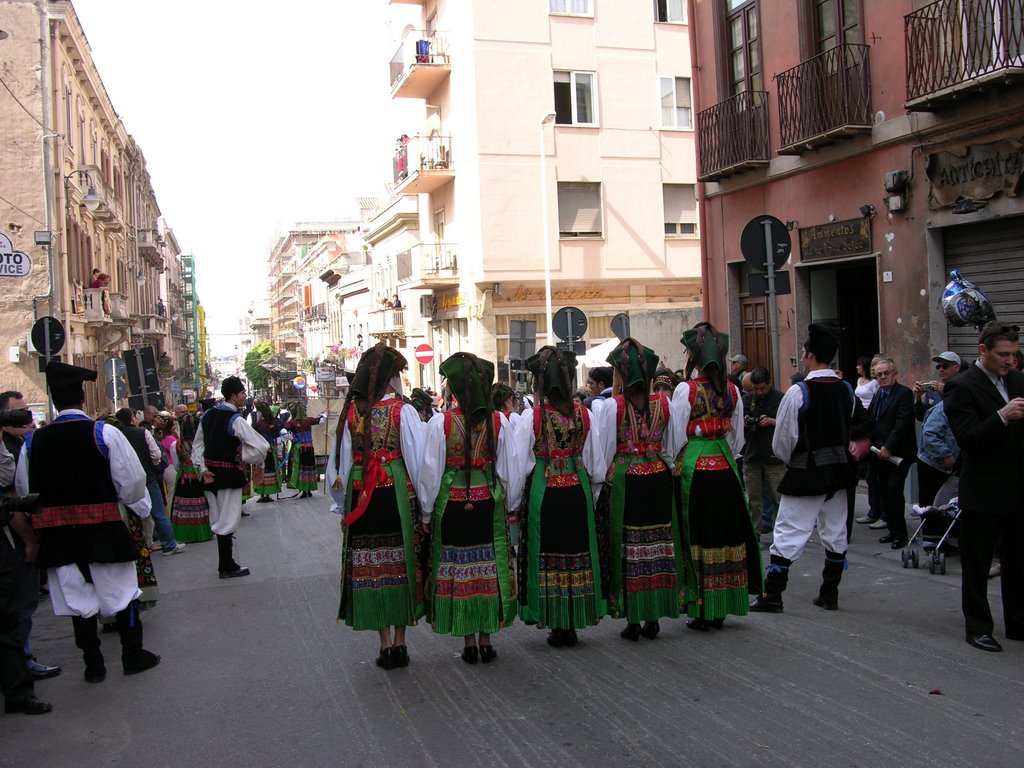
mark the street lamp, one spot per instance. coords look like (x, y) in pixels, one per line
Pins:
(91, 201)
(546, 118)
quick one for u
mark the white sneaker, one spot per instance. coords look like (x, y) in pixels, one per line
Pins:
(879, 525)
(179, 547)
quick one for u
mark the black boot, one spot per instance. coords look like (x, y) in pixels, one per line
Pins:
(775, 580)
(134, 658)
(88, 641)
(831, 575)
(227, 567)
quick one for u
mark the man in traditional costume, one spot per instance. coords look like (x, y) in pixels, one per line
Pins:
(224, 443)
(371, 471)
(816, 421)
(83, 539)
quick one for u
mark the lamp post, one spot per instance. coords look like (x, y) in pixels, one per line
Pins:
(91, 201)
(546, 118)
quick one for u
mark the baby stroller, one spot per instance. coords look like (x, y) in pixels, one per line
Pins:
(944, 513)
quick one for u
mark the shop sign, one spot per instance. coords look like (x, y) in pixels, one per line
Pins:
(836, 239)
(978, 173)
(591, 293)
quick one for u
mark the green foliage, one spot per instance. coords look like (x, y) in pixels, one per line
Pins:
(258, 376)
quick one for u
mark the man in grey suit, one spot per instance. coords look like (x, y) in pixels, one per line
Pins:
(985, 408)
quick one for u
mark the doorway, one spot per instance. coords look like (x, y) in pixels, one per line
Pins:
(845, 298)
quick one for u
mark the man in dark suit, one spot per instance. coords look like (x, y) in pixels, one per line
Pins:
(985, 408)
(892, 413)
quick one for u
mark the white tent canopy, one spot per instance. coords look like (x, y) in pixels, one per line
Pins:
(597, 356)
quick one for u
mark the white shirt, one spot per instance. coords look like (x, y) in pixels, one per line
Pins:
(155, 454)
(412, 432)
(254, 446)
(787, 420)
(676, 439)
(125, 470)
(524, 439)
(433, 466)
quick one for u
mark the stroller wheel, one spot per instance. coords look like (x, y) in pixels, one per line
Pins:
(932, 565)
(905, 557)
(915, 558)
(942, 563)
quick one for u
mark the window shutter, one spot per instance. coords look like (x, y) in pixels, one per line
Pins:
(680, 203)
(683, 92)
(579, 207)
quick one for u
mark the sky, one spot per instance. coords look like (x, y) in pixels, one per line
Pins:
(251, 118)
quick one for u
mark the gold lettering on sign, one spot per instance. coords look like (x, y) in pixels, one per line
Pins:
(451, 301)
(526, 294)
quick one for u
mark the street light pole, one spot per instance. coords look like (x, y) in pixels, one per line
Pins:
(545, 119)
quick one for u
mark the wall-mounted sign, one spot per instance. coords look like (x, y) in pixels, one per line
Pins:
(13, 263)
(977, 173)
(835, 240)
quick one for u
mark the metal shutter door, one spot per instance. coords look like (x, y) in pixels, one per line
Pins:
(991, 255)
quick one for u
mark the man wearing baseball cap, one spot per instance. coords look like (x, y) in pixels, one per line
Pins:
(739, 367)
(938, 450)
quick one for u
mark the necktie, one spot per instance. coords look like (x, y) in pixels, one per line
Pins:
(883, 396)
(1001, 387)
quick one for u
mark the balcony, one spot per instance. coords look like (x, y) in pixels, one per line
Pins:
(419, 65)
(955, 47)
(152, 326)
(96, 303)
(314, 314)
(732, 136)
(422, 164)
(825, 98)
(388, 323)
(119, 309)
(146, 239)
(437, 266)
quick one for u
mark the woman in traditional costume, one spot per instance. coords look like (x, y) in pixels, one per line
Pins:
(644, 559)
(371, 471)
(707, 412)
(190, 512)
(559, 570)
(304, 475)
(463, 489)
(265, 481)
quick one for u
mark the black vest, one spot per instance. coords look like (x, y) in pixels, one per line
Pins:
(819, 461)
(221, 450)
(137, 437)
(68, 470)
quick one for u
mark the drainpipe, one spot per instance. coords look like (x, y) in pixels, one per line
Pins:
(48, 182)
(705, 257)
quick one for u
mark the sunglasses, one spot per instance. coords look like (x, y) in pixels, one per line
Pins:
(943, 366)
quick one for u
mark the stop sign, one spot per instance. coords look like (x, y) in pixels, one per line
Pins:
(424, 354)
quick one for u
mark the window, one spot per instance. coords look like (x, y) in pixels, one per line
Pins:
(744, 47)
(836, 22)
(575, 98)
(670, 11)
(579, 209)
(680, 209)
(574, 7)
(675, 102)
(69, 130)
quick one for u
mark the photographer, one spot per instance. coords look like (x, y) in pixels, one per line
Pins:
(761, 468)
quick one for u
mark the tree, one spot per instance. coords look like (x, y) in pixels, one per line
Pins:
(257, 375)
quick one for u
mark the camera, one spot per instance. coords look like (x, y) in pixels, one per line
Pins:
(11, 504)
(15, 417)
(750, 421)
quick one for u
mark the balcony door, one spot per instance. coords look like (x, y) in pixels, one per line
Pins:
(744, 46)
(838, 70)
(992, 35)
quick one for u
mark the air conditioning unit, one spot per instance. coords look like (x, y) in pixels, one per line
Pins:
(428, 306)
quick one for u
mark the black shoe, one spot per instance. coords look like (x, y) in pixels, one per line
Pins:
(263, 500)
(29, 706)
(765, 604)
(717, 623)
(556, 638)
(829, 604)
(631, 632)
(386, 659)
(234, 574)
(401, 656)
(650, 629)
(140, 661)
(698, 625)
(245, 514)
(42, 671)
(569, 637)
(898, 544)
(888, 538)
(95, 673)
(984, 642)
(488, 654)
(470, 654)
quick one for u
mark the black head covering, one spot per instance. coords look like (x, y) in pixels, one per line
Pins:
(65, 382)
(232, 385)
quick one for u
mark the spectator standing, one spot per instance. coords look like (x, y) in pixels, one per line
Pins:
(892, 414)
(762, 469)
(738, 367)
(938, 451)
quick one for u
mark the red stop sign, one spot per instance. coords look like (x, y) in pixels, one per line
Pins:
(424, 354)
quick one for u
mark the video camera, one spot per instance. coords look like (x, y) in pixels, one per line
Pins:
(15, 417)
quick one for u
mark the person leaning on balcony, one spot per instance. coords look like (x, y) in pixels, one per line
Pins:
(396, 303)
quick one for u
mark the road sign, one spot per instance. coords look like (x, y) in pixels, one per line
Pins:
(620, 325)
(114, 368)
(325, 373)
(758, 285)
(47, 338)
(569, 323)
(753, 242)
(143, 379)
(424, 354)
(115, 389)
(522, 339)
(579, 347)
(175, 387)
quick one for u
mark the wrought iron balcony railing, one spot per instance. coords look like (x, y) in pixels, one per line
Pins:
(732, 135)
(954, 45)
(825, 97)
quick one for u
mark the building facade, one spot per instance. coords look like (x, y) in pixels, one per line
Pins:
(76, 196)
(887, 136)
(554, 131)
